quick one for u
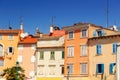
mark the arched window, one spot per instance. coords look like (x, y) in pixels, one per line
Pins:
(1, 50)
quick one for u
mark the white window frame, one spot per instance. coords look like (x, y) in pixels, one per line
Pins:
(70, 51)
(69, 35)
(85, 33)
(83, 50)
(71, 68)
(10, 37)
(8, 50)
(82, 67)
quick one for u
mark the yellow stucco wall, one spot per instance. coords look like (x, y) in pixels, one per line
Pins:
(9, 60)
(106, 58)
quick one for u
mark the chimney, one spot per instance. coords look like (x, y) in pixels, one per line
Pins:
(51, 29)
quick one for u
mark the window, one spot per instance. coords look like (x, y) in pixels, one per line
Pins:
(10, 50)
(1, 50)
(70, 51)
(98, 49)
(40, 69)
(83, 50)
(98, 33)
(52, 69)
(112, 68)
(52, 55)
(84, 33)
(1, 36)
(62, 69)
(10, 37)
(41, 55)
(100, 68)
(83, 68)
(1, 62)
(20, 57)
(70, 35)
(62, 54)
(114, 47)
(70, 68)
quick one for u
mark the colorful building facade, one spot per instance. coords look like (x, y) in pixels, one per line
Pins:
(26, 55)
(9, 39)
(76, 48)
(102, 57)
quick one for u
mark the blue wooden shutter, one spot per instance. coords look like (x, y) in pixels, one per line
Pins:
(97, 49)
(96, 68)
(114, 48)
(103, 33)
(94, 33)
(111, 68)
(100, 48)
(102, 65)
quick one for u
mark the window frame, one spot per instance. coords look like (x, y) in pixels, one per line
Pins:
(102, 68)
(70, 51)
(71, 68)
(70, 35)
(8, 50)
(114, 48)
(99, 49)
(2, 62)
(41, 57)
(81, 68)
(82, 47)
(52, 55)
(84, 33)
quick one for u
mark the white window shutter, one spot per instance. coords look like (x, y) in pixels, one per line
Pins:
(33, 59)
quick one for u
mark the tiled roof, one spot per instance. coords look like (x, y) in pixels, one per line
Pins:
(50, 38)
(101, 37)
(28, 40)
(9, 31)
(58, 33)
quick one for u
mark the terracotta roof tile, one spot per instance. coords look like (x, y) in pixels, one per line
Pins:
(28, 40)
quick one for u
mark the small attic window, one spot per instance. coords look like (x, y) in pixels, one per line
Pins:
(98, 33)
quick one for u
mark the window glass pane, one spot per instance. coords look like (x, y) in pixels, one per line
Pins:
(70, 51)
(70, 35)
(1, 50)
(52, 55)
(10, 36)
(83, 50)
(83, 68)
(62, 54)
(84, 33)
(70, 69)
(41, 54)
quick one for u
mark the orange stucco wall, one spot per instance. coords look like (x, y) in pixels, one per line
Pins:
(76, 59)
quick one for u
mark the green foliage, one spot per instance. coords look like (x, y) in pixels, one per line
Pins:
(14, 73)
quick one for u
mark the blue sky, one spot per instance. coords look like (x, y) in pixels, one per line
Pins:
(38, 13)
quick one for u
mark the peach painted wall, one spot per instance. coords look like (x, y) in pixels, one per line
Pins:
(27, 52)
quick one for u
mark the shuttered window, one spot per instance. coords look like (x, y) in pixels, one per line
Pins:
(98, 49)
(100, 68)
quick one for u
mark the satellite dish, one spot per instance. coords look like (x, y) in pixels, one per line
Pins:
(22, 35)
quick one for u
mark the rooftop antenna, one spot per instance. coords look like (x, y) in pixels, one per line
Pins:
(107, 14)
(53, 17)
(9, 26)
(21, 23)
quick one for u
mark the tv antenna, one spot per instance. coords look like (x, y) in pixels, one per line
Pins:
(107, 14)
(52, 20)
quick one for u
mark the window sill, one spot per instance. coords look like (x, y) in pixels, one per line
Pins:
(98, 54)
(70, 39)
(84, 37)
(114, 53)
(84, 56)
(112, 73)
(100, 73)
(70, 57)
